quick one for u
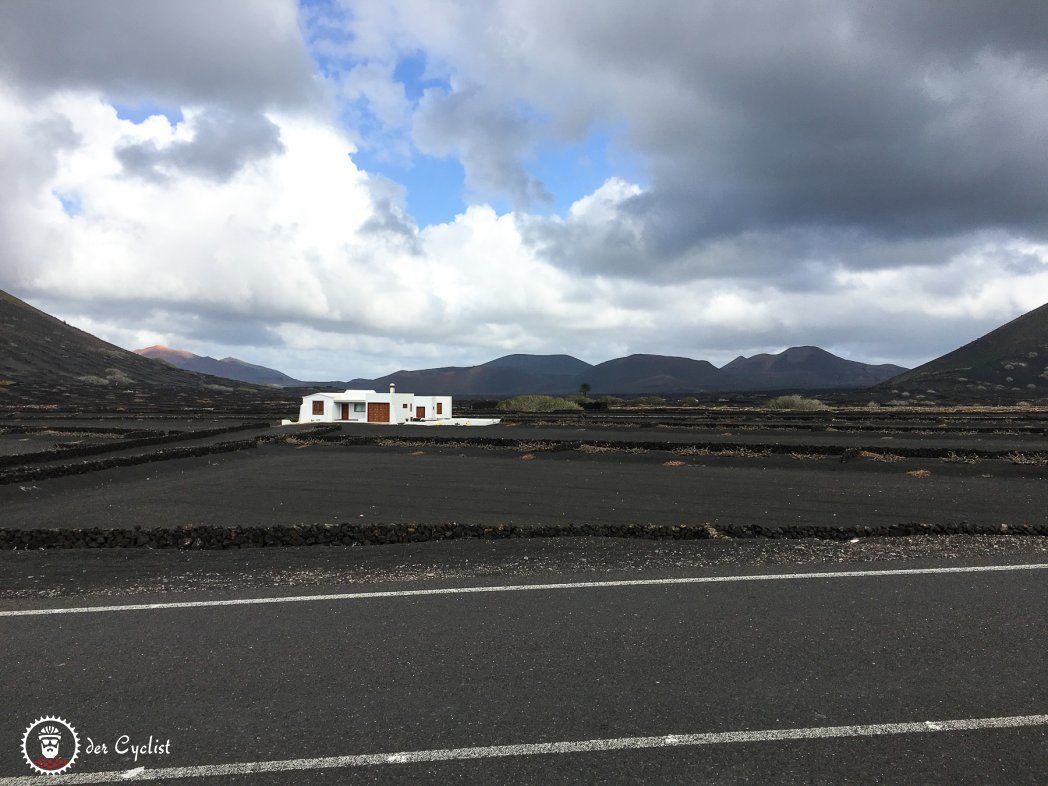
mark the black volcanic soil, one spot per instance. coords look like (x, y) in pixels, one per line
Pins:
(279, 484)
(731, 469)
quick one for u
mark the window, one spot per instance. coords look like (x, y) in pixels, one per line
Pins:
(358, 407)
(405, 406)
(318, 407)
(440, 407)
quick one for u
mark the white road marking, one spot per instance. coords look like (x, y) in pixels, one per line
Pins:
(841, 574)
(536, 749)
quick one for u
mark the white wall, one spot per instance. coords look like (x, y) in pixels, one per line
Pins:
(430, 403)
(445, 410)
(401, 406)
(305, 412)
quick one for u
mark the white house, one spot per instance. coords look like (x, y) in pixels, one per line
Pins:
(369, 406)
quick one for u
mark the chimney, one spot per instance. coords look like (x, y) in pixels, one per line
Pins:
(392, 388)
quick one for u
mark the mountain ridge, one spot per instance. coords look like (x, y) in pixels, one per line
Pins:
(227, 368)
(803, 368)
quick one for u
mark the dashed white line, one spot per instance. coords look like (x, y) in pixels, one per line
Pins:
(841, 574)
(535, 749)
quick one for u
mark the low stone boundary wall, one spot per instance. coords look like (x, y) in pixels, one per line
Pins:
(41, 456)
(23, 474)
(209, 537)
(551, 445)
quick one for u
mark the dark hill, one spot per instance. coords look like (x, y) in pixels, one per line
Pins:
(46, 363)
(652, 374)
(798, 368)
(1011, 361)
(802, 368)
(556, 365)
(502, 376)
(228, 368)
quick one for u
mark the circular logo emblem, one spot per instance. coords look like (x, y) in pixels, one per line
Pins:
(50, 745)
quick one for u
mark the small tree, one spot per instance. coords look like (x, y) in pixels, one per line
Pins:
(584, 390)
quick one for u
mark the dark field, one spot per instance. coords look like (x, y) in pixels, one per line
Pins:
(718, 468)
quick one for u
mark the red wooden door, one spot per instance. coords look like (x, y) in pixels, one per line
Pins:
(378, 413)
(420, 413)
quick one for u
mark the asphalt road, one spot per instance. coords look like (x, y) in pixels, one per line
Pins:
(279, 484)
(647, 664)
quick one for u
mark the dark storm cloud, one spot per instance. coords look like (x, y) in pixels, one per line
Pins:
(882, 122)
(191, 51)
(222, 144)
(964, 27)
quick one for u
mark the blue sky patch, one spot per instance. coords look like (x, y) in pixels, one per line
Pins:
(70, 203)
(143, 110)
(411, 72)
(572, 170)
(434, 186)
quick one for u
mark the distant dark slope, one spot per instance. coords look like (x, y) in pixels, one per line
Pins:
(802, 368)
(1012, 359)
(43, 360)
(553, 365)
(227, 368)
(652, 374)
(502, 376)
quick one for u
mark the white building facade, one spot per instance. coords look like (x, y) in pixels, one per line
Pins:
(369, 406)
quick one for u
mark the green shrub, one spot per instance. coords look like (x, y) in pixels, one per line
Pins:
(649, 401)
(795, 402)
(118, 377)
(536, 403)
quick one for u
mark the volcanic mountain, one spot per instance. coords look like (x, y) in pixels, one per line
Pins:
(46, 363)
(802, 368)
(229, 368)
(652, 374)
(1011, 362)
(503, 376)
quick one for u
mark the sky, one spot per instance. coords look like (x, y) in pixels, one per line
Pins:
(343, 189)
